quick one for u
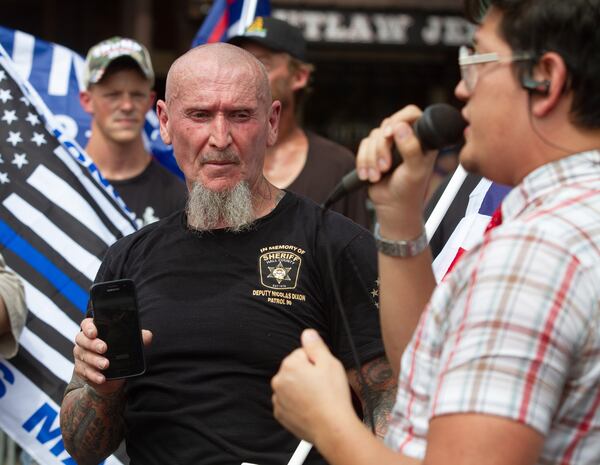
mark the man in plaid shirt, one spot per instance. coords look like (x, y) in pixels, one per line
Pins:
(500, 363)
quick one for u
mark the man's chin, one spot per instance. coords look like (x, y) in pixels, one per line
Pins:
(219, 186)
(484, 168)
(126, 136)
(467, 159)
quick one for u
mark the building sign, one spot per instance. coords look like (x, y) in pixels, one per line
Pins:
(351, 27)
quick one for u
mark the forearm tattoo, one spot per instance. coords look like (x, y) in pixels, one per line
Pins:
(91, 424)
(381, 392)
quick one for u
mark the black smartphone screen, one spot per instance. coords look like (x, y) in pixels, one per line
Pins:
(114, 306)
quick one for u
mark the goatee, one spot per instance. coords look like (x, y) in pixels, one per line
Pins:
(208, 210)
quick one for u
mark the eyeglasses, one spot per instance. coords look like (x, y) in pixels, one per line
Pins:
(467, 58)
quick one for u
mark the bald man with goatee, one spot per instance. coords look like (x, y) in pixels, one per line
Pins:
(225, 289)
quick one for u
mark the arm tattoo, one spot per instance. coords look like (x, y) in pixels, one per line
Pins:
(380, 389)
(91, 424)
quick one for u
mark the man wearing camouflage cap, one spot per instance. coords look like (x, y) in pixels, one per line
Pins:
(118, 79)
(299, 158)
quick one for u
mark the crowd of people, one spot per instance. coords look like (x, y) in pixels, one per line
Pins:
(267, 320)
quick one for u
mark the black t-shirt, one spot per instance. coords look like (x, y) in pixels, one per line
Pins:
(225, 309)
(153, 194)
(326, 164)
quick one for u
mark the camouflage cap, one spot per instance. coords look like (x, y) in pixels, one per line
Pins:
(101, 55)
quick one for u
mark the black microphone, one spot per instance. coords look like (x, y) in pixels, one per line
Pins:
(440, 126)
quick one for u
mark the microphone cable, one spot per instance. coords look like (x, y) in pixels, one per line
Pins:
(364, 395)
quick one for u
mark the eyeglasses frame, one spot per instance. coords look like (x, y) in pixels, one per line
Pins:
(466, 58)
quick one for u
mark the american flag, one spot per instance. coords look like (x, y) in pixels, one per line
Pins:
(57, 219)
(55, 72)
(228, 18)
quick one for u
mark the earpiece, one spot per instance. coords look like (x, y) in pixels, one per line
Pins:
(539, 87)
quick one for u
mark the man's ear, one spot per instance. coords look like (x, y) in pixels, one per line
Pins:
(85, 99)
(301, 76)
(274, 114)
(551, 74)
(163, 120)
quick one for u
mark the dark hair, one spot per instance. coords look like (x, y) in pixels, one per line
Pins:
(567, 27)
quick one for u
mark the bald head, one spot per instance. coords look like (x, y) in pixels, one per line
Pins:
(223, 63)
(220, 118)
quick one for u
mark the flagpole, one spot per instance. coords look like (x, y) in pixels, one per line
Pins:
(300, 453)
(442, 206)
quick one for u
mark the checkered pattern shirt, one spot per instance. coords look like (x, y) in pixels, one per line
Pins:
(514, 330)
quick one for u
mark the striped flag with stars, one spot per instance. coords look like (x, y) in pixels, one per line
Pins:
(57, 219)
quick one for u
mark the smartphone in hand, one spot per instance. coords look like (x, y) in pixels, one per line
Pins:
(115, 312)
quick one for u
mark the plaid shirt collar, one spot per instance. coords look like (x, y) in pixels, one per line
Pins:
(546, 179)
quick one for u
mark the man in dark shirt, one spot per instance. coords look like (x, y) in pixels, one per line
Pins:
(226, 288)
(118, 77)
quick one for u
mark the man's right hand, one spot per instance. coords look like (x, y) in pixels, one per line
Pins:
(310, 391)
(89, 360)
(398, 198)
(91, 399)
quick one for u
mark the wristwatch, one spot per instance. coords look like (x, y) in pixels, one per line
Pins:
(403, 249)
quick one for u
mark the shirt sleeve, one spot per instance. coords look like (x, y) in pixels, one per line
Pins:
(355, 272)
(11, 291)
